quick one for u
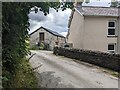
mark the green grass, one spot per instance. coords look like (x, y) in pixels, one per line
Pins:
(112, 72)
(115, 74)
(24, 77)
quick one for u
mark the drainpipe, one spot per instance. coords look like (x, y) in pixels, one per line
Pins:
(118, 38)
(78, 4)
(119, 29)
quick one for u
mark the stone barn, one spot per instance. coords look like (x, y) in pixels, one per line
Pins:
(47, 37)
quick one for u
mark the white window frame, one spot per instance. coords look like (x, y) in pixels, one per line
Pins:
(110, 51)
(111, 27)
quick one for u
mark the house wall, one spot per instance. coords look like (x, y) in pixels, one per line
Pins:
(95, 34)
(49, 38)
(34, 38)
(76, 30)
(90, 33)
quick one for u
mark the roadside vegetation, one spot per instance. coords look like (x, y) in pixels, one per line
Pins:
(38, 47)
(112, 72)
(42, 46)
(23, 77)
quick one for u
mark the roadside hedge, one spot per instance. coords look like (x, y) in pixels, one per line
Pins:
(106, 60)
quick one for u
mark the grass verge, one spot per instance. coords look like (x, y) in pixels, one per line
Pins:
(24, 76)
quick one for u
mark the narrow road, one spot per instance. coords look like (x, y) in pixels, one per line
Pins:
(61, 72)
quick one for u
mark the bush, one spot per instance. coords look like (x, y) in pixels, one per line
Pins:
(42, 46)
(22, 78)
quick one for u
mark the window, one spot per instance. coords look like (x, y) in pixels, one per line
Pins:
(111, 24)
(111, 48)
(111, 31)
(41, 36)
(111, 28)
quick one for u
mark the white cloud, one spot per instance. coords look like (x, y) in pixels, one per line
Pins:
(37, 16)
(56, 21)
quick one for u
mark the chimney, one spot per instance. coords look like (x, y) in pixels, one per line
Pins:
(118, 4)
(114, 3)
(78, 4)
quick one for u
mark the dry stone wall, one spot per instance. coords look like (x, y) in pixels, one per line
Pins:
(106, 60)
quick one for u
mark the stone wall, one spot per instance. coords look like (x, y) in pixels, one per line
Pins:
(106, 60)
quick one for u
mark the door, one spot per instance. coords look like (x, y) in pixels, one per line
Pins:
(41, 36)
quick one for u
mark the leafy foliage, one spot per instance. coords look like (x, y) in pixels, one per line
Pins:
(23, 77)
(114, 3)
(15, 37)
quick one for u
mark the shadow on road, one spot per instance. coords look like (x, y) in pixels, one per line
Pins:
(48, 80)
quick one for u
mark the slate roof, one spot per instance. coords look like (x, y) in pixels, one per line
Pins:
(98, 11)
(50, 31)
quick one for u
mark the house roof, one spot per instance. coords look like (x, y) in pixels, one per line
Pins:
(50, 31)
(98, 11)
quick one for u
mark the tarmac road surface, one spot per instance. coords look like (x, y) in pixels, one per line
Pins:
(61, 72)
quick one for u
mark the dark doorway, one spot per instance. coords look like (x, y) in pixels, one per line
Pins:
(41, 36)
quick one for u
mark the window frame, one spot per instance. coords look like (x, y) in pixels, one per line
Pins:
(111, 27)
(114, 47)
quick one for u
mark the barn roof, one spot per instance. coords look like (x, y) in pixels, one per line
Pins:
(50, 31)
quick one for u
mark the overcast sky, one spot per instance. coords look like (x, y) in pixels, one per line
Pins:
(58, 21)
